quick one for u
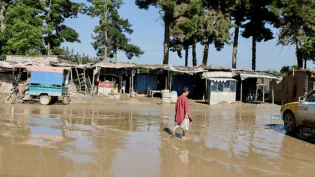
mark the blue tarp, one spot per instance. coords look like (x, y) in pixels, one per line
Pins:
(180, 81)
(143, 81)
(53, 78)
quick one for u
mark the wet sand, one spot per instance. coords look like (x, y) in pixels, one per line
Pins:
(111, 140)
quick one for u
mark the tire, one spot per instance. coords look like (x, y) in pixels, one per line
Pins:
(289, 123)
(44, 99)
(9, 99)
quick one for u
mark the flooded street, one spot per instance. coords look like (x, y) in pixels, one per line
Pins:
(86, 140)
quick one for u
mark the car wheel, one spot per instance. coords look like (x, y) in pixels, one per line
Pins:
(44, 99)
(9, 99)
(289, 123)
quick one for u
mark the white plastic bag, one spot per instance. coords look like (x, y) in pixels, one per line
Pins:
(185, 124)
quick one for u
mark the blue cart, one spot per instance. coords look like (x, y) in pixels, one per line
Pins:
(46, 84)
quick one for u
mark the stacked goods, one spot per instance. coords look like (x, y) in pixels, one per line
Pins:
(173, 97)
(166, 95)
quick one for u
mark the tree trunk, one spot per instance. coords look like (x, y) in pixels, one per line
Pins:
(186, 56)
(235, 44)
(305, 64)
(105, 34)
(3, 10)
(166, 37)
(298, 55)
(254, 53)
(205, 54)
(48, 48)
(49, 37)
(115, 56)
(194, 55)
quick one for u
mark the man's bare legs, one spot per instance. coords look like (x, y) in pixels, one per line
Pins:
(174, 130)
(183, 135)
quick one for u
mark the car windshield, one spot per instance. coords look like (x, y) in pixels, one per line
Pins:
(311, 97)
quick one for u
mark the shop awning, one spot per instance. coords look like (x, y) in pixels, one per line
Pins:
(217, 74)
(221, 79)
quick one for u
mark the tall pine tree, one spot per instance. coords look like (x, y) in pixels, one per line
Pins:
(55, 31)
(111, 32)
(297, 25)
(167, 10)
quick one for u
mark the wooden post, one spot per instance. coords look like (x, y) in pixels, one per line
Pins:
(273, 96)
(256, 90)
(165, 82)
(84, 80)
(206, 91)
(241, 90)
(71, 76)
(93, 84)
(263, 92)
(170, 81)
(132, 84)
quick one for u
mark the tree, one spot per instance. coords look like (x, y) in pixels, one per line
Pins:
(167, 11)
(297, 24)
(55, 32)
(110, 33)
(22, 34)
(238, 16)
(185, 27)
(215, 25)
(257, 16)
(307, 50)
(3, 10)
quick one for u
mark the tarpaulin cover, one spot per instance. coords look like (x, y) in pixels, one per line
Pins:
(217, 74)
(54, 78)
(221, 79)
(245, 76)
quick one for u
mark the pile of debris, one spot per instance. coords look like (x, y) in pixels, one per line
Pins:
(5, 87)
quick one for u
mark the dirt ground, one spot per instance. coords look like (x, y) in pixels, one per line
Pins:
(130, 137)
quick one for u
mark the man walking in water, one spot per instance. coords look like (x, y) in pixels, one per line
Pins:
(181, 110)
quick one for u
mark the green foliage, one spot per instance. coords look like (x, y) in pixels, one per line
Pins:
(75, 58)
(201, 21)
(307, 50)
(144, 71)
(22, 34)
(297, 26)
(115, 27)
(258, 15)
(55, 32)
(30, 25)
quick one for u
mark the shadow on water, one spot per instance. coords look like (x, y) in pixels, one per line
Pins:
(202, 102)
(300, 135)
(168, 131)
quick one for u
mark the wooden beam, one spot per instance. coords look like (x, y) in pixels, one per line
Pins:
(170, 81)
(132, 84)
(273, 96)
(263, 91)
(256, 90)
(241, 91)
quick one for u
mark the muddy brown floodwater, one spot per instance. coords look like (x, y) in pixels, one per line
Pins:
(132, 141)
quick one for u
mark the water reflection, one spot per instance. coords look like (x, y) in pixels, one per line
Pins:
(230, 141)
